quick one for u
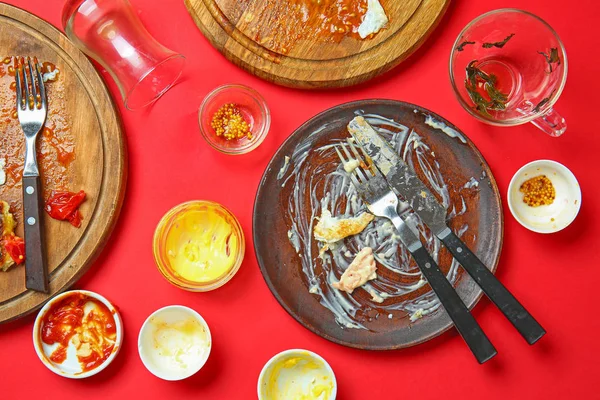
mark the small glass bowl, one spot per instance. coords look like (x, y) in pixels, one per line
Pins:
(175, 227)
(253, 108)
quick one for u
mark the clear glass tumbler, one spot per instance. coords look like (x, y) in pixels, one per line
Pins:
(111, 33)
(508, 67)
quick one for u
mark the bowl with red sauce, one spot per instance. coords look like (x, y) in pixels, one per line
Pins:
(77, 334)
(234, 119)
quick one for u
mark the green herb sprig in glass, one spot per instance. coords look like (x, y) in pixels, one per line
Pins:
(497, 99)
(551, 58)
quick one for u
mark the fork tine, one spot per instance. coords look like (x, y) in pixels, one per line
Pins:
(34, 92)
(19, 83)
(355, 151)
(26, 90)
(40, 79)
(347, 152)
(342, 159)
(357, 171)
(360, 174)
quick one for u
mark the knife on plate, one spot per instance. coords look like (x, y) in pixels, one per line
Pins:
(408, 185)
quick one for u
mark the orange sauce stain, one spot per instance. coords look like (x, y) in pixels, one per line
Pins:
(280, 25)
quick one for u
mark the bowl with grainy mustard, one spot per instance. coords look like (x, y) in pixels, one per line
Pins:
(234, 119)
(544, 196)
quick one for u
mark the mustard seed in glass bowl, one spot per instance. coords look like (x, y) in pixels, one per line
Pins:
(234, 119)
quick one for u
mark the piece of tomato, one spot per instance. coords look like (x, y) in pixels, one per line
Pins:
(15, 247)
(64, 206)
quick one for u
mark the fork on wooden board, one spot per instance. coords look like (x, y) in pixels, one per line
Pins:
(32, 109)
(374, 190)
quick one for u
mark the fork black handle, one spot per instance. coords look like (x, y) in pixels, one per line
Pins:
(522, 320)
(35, 257)
(465, 323)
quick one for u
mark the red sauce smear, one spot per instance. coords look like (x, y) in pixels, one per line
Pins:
(64, 206)
(93, 334)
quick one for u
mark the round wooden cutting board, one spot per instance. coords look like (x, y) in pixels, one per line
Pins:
(99, 167)
(309, 63)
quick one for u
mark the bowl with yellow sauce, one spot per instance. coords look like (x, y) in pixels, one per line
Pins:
(544, 196)
(199, 245)
(174, 343)
(297, 374)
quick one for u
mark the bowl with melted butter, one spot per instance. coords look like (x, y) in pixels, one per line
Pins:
(297, 374)
(199, 245)
(174, 343)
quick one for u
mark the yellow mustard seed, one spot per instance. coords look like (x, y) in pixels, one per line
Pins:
(229, 123)
(538, 191)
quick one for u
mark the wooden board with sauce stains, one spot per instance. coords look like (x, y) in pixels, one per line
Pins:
(290, 42)
(80, 148)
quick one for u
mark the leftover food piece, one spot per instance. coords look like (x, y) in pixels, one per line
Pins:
(333, 229)
(551, 58)
(229, 123)
(351, 165)
(2, 171)
(359, 272)
(84, 322)
(375, 19)
(499, 44)
(49, 72)
(64, 206)
(12, 248)
(538, 191)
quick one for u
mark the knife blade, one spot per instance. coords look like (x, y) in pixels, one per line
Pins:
(407, 184)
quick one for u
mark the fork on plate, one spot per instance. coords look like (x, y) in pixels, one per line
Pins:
(32, 110)
(374, 190)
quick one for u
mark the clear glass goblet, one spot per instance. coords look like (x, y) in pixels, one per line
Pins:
(110, 32)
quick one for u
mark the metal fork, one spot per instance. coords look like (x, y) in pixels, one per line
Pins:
(32, 110)
(382, 202)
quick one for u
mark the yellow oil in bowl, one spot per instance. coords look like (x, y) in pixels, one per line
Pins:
(199, 245)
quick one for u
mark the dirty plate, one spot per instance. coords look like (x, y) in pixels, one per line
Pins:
(306, 168)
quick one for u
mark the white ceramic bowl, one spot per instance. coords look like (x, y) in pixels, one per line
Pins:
(551, 218)
(70, 368)
(295, 372)
(179, 329)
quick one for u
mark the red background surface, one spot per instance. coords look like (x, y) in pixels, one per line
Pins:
(555, 276)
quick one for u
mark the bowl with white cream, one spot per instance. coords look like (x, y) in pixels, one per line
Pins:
(174, 343)
(297, 374)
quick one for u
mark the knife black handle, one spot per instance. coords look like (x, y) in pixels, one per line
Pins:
(527, 326)
(466, 325)
(36, 274)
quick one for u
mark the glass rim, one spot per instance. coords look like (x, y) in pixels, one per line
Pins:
(255, 96)
(127, 96)
(544, 110)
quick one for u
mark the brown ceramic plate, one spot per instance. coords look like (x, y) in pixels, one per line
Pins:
(282, 266)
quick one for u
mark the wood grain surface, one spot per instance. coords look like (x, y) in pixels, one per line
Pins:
(314, 63)
(99, 166)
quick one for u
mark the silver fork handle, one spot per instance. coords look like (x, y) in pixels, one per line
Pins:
(31, 166)
(466, 325)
